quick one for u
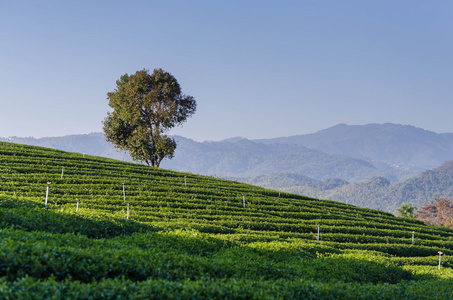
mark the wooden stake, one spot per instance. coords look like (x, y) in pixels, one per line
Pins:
(413, 234)
(62, 170)
(127, 216)
(124, 193)
(185, 181)
(317, 237)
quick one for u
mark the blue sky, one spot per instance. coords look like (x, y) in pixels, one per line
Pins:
(258, 69)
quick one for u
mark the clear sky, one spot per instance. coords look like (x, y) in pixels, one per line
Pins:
(258, 69)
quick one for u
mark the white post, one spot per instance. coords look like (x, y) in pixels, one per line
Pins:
(279, 191)
(83, 154)
(413, 233)
(124, 193)
(127, 216)
(440, 255)
(62, 170)
(317, 237)
(243, 200)
(47, 191)
(77, 207)
(185, 181)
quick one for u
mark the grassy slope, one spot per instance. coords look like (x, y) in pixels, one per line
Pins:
(197, 240)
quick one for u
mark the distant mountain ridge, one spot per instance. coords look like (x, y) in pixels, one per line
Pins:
(244, 158)
(236, 157)
(377, 192)
(397, 145)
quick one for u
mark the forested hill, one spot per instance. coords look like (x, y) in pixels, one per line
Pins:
(243, 158)
(377, 192)
(75, 226)
(399, 145)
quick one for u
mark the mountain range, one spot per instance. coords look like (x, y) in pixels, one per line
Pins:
(366, 165)
(400, 146)
(378, 192)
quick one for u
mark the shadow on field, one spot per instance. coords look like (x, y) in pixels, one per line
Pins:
(30, 216)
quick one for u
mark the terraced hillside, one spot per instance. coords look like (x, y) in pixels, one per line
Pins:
(179, 235)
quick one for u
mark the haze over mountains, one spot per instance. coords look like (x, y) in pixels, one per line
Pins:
(366, 165)
(400, 146)
(377, 192)
(245, 158)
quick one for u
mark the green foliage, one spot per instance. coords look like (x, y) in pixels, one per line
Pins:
(197, 240)
(406, 210)
(145, 106)
(31, 216)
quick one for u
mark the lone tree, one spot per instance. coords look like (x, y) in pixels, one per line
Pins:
(145, 106)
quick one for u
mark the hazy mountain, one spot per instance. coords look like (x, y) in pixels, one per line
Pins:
(377, 192)
(400, 146)
(236, 157)
(387, 196)
(243, 158)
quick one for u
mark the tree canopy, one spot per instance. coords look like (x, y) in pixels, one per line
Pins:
(406, 210)
(145, 106)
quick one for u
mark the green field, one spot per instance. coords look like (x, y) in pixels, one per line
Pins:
(190, 237)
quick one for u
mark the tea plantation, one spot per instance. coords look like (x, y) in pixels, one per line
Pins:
(116, 230)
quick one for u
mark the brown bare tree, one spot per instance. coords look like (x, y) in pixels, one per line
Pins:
(438, 212)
